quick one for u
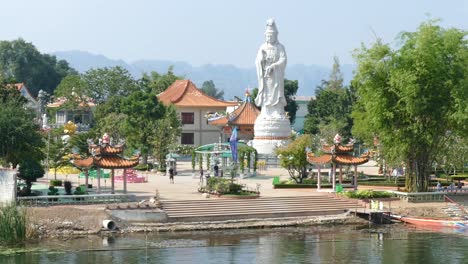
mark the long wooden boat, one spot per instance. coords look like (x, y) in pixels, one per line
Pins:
(430, 222)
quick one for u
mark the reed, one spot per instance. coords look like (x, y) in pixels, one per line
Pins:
(13, 225)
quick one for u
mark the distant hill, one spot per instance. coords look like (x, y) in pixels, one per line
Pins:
(233, 80)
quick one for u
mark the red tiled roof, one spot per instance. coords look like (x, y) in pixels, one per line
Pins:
(19, 86)
(324, 159)
(109, 162)
(106, 150)
(338, 148)
(83, 163)
(343, 159)
(246, 114)
(219, 122)
(61, 100)
(185, 93)
(349, 160)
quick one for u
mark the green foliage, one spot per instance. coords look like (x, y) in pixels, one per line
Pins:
(104, 83)
(367, 194)
(222, 186)
(330, 112)
(75, 90)
(79, 191)
(193, 155)
(209, 88)
(411, 98)
(293, 157)
(167, 130)
(243, 152)
(30, 170)
(19, 136)
(53, 191)
(21, 61)
(144, 167)
(290, 90)
(160, 82)
(55, 183)
(67, 185)
(13, 225)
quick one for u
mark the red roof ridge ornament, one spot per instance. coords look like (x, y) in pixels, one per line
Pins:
(337, 139)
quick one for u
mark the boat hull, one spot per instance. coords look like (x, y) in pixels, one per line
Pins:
(428, 222)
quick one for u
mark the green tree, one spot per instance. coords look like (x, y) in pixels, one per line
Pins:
(413, 96)
(29, 170)
(58, 151)
(166, 135)
(19, 135)
(104, 83)
(21, 61)
(290, 90)
(331, 110)
(210, 89)
(160, 82)
(293, 157)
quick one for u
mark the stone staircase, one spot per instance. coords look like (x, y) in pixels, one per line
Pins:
(268, 207)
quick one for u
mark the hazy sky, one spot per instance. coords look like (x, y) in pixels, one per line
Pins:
(218, 32)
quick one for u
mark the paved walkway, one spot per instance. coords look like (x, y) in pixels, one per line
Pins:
(186, 184)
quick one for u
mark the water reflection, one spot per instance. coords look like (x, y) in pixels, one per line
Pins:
(325, 244)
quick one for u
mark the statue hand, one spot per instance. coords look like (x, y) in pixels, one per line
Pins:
(268, 70)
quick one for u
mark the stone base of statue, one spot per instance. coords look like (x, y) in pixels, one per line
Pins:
(271, 131)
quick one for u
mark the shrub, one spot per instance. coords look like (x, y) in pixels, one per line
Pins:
(53, 191)
(55, 183)
(79, 191)
(367, 194)
(68, 187)
(144, 167)
(221, 186)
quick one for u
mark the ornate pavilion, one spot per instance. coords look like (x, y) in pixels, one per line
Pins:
(338, 155)
(243, 117)
(106, 155)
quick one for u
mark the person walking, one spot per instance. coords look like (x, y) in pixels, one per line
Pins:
(201, 176)
(171, 175)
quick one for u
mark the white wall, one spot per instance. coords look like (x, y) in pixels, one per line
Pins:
(203, 132)
(7, 186)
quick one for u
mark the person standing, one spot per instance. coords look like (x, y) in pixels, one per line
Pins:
(171, 175)
(201, 176)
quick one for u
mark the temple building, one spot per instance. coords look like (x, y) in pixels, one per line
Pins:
(337, 155)
(193, 106)
(243, 117)
(106, 155)
(81, 114)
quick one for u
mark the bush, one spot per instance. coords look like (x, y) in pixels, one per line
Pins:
(79, 191)
(367, 194)
(459, 177)
(221, 186)
(68, 187)
(144, 167)
(53, 191)
(55, 183)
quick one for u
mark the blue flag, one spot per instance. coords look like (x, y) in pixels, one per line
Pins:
(233, 144)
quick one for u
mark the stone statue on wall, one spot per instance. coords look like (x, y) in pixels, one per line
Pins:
(270, 64)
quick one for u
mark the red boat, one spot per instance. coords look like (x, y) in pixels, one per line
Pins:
(430, 222)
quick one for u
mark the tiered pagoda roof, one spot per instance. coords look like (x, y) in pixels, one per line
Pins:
(107, 156)
(184, 93)
(246, 114)
(337, 154)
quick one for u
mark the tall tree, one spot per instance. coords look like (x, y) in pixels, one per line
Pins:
(160, 82)
(21, 61)
(330, 112)
(210, 89)
(104, 83)
(19, 136)
(293, 157)
(413, 96)
(165, 136)
(290, 90)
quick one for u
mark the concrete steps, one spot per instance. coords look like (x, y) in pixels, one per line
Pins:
(270, 207)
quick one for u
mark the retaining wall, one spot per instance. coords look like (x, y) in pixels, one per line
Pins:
(7, 186)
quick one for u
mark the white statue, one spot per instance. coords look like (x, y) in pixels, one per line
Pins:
(45, 124)
(271, 64)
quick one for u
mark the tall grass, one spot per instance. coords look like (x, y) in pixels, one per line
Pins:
(13, 225)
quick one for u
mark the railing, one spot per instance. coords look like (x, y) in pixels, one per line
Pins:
(75, 199)
(421, 196)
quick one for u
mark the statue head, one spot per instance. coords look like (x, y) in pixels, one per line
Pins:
(271, 33)
(105, 138)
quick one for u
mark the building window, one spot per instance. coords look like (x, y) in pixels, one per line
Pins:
(188, 118)
(69, 116)
(60, 117)
(187, 138)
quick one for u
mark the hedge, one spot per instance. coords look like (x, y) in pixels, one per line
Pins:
(55, 183)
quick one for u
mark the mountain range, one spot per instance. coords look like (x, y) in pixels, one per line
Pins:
(233, 80)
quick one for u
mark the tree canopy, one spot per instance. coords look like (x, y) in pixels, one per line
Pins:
(210, 89)
(330, 112)
(20, 61)
(413, 97)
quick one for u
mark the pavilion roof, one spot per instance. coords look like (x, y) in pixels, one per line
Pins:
(185, 93)
(62, 100)
(106, 162)
(246, 114)
(341, 159)
(338, 148)
(106, 149)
